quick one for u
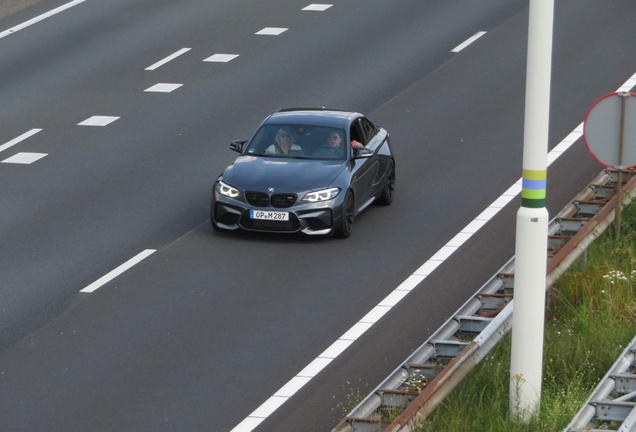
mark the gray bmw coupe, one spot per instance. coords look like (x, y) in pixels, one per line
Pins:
(307, 170)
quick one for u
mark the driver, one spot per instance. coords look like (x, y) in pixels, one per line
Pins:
(334, 139)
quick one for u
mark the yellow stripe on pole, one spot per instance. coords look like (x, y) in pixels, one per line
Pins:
(535, 175)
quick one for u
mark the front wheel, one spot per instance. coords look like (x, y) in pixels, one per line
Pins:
(388, 191)
(347, 216)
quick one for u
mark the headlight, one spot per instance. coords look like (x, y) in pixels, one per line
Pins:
(227, 190)
(322, 195)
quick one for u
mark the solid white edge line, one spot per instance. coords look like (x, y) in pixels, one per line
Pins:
(39, 18)
(167, 59)
(249, 424)
(356, 331)
(375, 314)
(290, 389)
(410, 283)
(335, 349)
(19, 139)
(119, 270)
(338, 347)
(468, 41)
(313, 368)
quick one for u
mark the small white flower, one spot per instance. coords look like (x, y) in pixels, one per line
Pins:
(614, 275)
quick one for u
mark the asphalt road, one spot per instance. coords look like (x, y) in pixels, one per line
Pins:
(8, 7)
(201, 333)
(102, 194)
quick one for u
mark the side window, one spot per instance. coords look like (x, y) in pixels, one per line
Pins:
(357, 133)
(369, 129)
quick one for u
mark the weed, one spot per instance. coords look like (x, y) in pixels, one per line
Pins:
(350, 396)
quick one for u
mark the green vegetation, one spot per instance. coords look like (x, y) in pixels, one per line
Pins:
(350, 396)
(591, 317)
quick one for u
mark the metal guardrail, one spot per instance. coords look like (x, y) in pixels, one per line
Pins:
(610, 401)
(441, 363)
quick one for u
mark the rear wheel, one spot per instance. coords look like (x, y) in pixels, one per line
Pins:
(347, 217)
(388, 191)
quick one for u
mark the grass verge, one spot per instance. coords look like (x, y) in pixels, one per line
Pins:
(591, 317)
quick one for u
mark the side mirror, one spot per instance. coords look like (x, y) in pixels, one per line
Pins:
(237, 146)
(362, 152)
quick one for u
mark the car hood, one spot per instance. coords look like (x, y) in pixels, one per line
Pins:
(284, 175)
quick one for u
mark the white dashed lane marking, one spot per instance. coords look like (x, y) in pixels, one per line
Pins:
(119, 270)
(19, 139)
(468, 41)
(167, 59)
(98, 121)
(163, 87)
(221, 58)
(317, 7)
(24, 158)
(271, 31)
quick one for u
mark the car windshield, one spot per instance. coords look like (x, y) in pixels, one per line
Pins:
(298, 141)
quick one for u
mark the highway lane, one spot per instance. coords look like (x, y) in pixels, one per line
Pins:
(40, 257)
(190, 339)
(102, 194)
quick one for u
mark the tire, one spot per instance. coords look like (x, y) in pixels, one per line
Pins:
(388, 191)
(347, 217)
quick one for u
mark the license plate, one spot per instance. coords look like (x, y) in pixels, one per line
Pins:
(269, 215)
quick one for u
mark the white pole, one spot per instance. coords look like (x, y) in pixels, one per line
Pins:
(532, 222)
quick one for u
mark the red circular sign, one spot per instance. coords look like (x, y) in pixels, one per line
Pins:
(609, 130)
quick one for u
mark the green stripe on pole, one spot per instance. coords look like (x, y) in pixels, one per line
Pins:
(533, 193)
(532, 203)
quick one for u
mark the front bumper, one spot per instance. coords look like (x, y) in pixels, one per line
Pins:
(309, 218)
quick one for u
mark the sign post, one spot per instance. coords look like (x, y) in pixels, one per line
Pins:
(609, 131)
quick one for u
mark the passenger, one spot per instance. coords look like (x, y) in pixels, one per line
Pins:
(284, 142)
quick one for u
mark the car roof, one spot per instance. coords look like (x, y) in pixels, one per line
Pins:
(313, 116)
